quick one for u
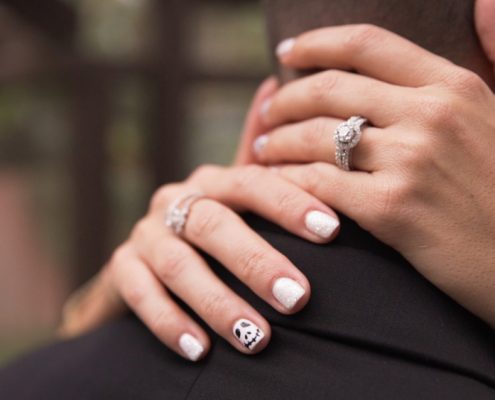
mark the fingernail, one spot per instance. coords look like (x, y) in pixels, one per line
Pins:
(191, 346)
(285, 46)
(321, 224)
(259, 143)
(288, 292)
(248, 333)
(265, 106)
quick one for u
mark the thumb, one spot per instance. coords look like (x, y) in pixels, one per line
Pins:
(485, 25)
(253, 125)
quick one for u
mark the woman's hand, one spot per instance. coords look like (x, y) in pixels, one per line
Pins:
(425, 168)
(154, 261)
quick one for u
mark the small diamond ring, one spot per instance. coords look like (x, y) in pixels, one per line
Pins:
(346, 137)
(178, 212)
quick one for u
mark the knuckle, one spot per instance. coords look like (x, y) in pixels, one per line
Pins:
(415, 152)
(171, 265)
(133, 292)
(287, 203)
(207, 220)
(321, 84)
(391, 201)
(245, 178)
(361, 36)
(314, 177)
(313, 132)
(438, 112)
(204, 172)
(162, 197)
(139, 230)
(162, 321)
(468, 83)
(134, 295)
(120, 255)
(214, 304)
(252, 264)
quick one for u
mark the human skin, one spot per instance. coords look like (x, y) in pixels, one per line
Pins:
(105, 298)
(154, 262)
(424, 169)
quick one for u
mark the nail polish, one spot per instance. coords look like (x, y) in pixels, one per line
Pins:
(259, 143)
(288, 292)
(321, 224)
(285, 47)
(265, 106)
(247, 333)
(191, 346)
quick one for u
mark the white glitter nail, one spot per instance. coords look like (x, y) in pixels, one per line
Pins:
(285, 46)
(321, 224)
(248, 333)
(287, 292)
(265, 106)
(191, 346)
(259, 143)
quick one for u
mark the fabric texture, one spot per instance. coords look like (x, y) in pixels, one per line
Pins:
(374, 329)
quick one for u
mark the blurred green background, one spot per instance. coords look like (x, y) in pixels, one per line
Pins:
(223, 44)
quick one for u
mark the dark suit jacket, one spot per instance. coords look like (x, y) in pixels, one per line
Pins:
(374, 329)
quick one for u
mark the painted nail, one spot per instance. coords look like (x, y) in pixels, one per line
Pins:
(288, 292)
(259, 143)
(265, 106)
(247, 333)
(321, 224)
(191, 346)
(285, 46)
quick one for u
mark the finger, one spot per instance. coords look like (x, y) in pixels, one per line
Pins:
(312, 140)
(253, 126)
(89, 307)
(146, 296)
(348, 192)
(484, 19)
(338, 94)
(186, 274)
(258, 190)
(225, 236)
(367, 49)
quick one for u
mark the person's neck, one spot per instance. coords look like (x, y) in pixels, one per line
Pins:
(288, 18)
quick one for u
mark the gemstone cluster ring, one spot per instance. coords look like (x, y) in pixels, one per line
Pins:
(346, 137)
(178, 212)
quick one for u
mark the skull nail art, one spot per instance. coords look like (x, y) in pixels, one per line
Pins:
(248, 333)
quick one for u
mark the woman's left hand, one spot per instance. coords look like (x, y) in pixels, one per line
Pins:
(424, 179)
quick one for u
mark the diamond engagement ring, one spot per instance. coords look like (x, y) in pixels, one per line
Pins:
(346, 137)
(178, 211)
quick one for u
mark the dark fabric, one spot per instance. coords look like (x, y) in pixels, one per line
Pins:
(456, 39)
(374, 329)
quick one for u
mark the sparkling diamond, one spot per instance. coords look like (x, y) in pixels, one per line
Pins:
(345, 133)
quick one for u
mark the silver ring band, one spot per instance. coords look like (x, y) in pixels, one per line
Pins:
(346, 137)
(178, 211)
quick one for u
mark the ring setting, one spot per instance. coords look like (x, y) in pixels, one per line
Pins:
(346, 137)
(179, 210)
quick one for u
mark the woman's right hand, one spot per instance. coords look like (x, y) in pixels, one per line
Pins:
(154, 261)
